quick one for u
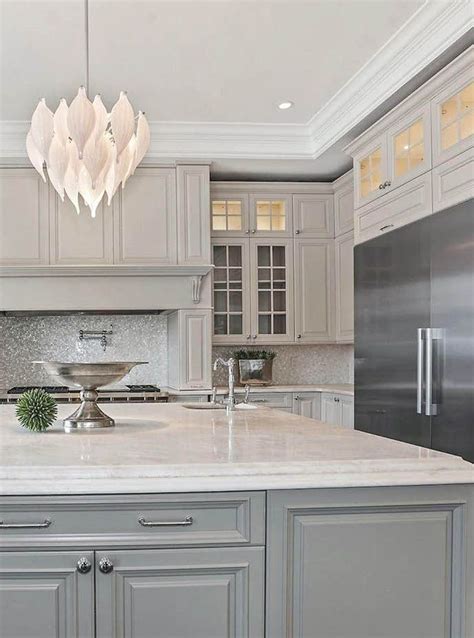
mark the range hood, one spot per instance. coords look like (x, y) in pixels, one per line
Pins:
(111, 289)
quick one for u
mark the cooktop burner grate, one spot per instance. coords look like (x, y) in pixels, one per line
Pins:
(53, 389)
(143, 388)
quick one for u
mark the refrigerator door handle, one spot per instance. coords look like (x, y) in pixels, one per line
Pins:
(431, 334)
(419, 371)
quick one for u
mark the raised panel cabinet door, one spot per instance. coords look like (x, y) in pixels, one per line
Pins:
(370, 171)
(347, 411)
(194, 225)
(331, 409)
(409, 147)
(231, 291)
(453, 181)
(270, 215)
(229, 213)
(24, 223)
(80, 239)
(344, 204)
(373, 563)
(190, 593)
(271, 277)
(308, 404)
(194, 345)
(313, 215)
(314, 290)
(145, 218)
(344, 274)
(43, 594)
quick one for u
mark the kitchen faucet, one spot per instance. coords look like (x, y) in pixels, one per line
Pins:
(230, 402)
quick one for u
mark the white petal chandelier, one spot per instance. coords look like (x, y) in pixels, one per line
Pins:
(87, 151)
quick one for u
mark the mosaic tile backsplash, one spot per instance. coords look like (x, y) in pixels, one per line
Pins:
(135, 337)
(303, 364)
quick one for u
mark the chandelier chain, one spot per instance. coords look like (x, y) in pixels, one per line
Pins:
(86, 39)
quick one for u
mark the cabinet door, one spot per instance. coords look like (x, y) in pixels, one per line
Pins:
(186, 593)
(452, 113)
(308, 404)
(402, 206)
(347, 411)
(271, 291)
(24, 224)
(453, 180)
(331, 409)
(43, 595)
(145, 218)
(409, 148)
(344, 271)
(229, 214)
(314, 290)
(313, 215)
(271, 215)
(189, 349)
(370, 172)
(80, 239)
(194, 226)
(231, 291)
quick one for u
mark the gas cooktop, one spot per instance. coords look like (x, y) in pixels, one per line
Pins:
(58, 389)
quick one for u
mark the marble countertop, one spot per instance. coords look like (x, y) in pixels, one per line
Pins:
(168, 448)
(336, 388)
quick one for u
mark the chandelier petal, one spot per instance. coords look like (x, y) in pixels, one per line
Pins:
(143, 139)
(81, 120)
(71, 178)
(128, 163)
(101, 117)
(95, 157)
(57, 165)
(42, 128)
(123, 123)
(35, 156)
(61, 129)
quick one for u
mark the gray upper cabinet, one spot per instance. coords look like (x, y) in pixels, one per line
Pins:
(313, 215)
(194, 227)
(344, 204)
(24, 223)
(44, 594)
(270, 214)
(145, 218)
(344, 277)
(229, 213)
(190, 593)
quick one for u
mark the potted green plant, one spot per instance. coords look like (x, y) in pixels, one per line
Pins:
(255, 366)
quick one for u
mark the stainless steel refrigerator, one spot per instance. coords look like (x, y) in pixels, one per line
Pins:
(414, 332)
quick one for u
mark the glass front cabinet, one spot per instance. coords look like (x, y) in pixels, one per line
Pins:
(452, 113)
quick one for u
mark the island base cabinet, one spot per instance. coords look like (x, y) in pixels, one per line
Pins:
(370, 563)
(188, 593)
(42, 594)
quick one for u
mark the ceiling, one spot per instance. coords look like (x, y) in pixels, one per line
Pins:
(205, 68)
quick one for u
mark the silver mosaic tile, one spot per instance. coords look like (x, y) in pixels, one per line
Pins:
(135, 337)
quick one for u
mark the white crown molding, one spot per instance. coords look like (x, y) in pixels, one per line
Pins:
(430, 31)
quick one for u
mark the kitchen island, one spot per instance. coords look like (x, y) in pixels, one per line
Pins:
(181, 522)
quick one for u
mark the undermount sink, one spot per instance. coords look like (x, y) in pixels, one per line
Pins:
(216, 406)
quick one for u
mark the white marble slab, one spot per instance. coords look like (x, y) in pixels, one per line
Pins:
(168, 448)
(334, 388)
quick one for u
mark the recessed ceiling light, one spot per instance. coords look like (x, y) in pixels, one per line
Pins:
(285, 105)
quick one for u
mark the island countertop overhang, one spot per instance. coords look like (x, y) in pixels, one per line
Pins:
(157, 448)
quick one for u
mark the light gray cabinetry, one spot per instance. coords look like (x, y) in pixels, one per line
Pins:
(194, 229)
(370, 563)
(337, 409)
(313, 215)
(190, 593)
(189, 343)
(344, 278)
(43, 594)
(307, 404)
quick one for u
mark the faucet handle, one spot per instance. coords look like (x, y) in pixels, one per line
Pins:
(214, 394)
(246, 395)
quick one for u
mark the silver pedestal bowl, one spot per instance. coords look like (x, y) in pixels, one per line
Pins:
(89, 377)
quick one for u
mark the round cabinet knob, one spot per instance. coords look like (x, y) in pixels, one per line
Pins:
(254, 336)
(297, 231)
(247, 231)
(388, 183)
(84, 565)
(106, 565)
(253, 231)
(249, 336)
(296, 398)
(298, 336)
(381, 187)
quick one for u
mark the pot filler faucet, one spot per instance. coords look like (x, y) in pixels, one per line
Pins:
(230, 402)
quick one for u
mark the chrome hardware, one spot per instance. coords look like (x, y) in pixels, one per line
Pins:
(254, 336)
(84, 565)
(419, 371)
(296, 398)
(387, 183)
(381, 187)
(337, 400)
(214, 395)
(259, 400)
(297, 232)
(387, 226)
(105, 565)
(96, 335)
(253, 231)
(298, 336)
(431, 334)
(247, 393)
(45, 523)
(187, 521)
(249, 336)
(229, 364)
(247, 231)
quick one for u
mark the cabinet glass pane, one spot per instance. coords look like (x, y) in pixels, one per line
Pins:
(279, 324)
(228, 290)
(265, 324)
(264, 301)
(457, 117)
(271, 296)
(409, 148)
(370, 170)
(226, 215)
(271, 215)
(263, 255)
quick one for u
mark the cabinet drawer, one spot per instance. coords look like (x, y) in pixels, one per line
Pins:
(404, 205)
(272, 399)
(156, 521)
(453, 181)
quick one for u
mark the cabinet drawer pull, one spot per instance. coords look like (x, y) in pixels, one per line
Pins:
(387, 226)
(45, 523)
(259, 400)
(187, 521)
